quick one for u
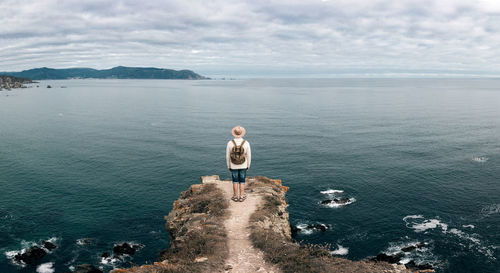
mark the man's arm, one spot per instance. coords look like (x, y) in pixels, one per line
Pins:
(249, 156)
(228, 157)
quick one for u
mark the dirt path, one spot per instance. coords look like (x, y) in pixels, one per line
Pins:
(243, 257)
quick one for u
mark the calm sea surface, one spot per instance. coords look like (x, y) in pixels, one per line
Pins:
(104, 159)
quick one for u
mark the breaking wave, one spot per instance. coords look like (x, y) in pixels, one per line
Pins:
(338, 205)
(330, 191)
(420, 224)
(480, 159)
(340, 250)
(470, 240)
(45, 268)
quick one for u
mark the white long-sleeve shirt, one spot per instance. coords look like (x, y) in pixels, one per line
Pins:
(248, 154)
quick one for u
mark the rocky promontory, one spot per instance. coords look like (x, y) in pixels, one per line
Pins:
(205, 238)
(10, 82)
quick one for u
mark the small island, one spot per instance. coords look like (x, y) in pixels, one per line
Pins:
(10, 82)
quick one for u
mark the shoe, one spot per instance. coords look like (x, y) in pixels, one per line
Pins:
(235, 198)
(242, 198)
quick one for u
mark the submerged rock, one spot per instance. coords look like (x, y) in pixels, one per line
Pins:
(124, 248)
(412, 266)
(340, 201)
(105, 255)
(315, 227)
(413, 247)
(48, 245)
(87, 268)
(85, 241)
(31, 256)
(392, 259)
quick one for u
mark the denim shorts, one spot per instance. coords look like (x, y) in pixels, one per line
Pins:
(239, 175)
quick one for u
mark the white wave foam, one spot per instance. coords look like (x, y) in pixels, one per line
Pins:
(469, 226)
(464, 235)
(405, 260)
(11, 254)
(304, 230)
(419, 224)
(84, 241)
(422, 254)
(340, 251)
(337, 205)
(412, 217)
(110, 261)
(45, 268)
(25, 245)
(490, 209)
(480, 159)
(330, 191)
(134, 245)
(430, 224)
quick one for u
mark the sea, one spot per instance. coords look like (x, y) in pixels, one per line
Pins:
(91, 163)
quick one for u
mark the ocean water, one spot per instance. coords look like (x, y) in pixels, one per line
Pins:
(104, 160)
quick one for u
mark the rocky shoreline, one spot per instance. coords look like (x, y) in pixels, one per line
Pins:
(10, 82)
(194, 217)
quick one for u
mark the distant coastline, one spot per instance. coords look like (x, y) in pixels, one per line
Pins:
(119, 72)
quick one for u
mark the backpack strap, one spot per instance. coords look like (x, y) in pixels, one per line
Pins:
(241, 145)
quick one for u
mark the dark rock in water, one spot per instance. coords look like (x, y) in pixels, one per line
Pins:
(85, 241)
(420, 245)
(295, 230)
(340, 201)
(392, 259)
(124, 248)
(424, 266)
(408, 248)
(48, 245)
(87, 268)
(413, 247)
(411, 265)
(48, 86)
(105, 255)
(321, 227)
(31, 256)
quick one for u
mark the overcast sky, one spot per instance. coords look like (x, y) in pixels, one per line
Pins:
(255, 38)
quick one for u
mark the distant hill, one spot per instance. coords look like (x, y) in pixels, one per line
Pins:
(119, 72)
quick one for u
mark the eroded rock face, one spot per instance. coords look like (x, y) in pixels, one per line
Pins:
(277, 220)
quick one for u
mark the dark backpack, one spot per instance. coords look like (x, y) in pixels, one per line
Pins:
(237, 153)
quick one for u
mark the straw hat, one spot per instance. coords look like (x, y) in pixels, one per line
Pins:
(238, 131)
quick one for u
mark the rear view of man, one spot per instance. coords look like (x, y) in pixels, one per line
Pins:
(238, 158)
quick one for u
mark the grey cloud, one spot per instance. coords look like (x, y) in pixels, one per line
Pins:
(219, 35)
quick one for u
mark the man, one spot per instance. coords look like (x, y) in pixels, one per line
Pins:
(238, 158)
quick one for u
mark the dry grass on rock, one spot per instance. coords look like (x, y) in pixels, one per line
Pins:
(198, 237)
(280, 249)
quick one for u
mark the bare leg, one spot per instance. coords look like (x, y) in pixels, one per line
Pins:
(235, 189)
(242, 189)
